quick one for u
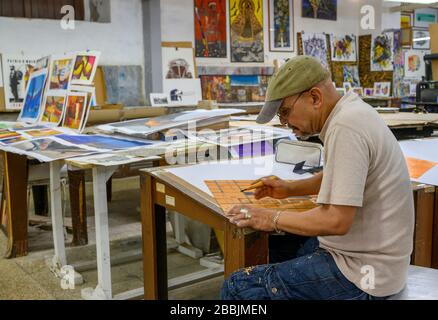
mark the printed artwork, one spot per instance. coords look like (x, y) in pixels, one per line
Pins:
(343, 48)
(420, 39)
(159, 99)
(178, 63)
(13, 140)
(124, 85)
(183, 92)
(210, 28)
(425, 16)
(34, 96)
(347, 87)
(60, 73)
(5, 134)
(382, 89)
(231, 89)
(16, 74)
(75, 110)
(414, 64)
(102, 142)
(315, 45)
(84, 67)
(246, 30)
(351, 75)
(382, 55)
(368, 92)
(281, 25)
(319, 9)
(53, 108)
(42, 133)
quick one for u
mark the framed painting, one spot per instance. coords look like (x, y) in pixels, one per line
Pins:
(420, 39)
(343, 48)
(382, 52)
(210, 28)
(319, 9)
(246, 31)
(281, 25)
(315, 45)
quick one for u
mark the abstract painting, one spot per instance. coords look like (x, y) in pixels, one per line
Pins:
(16, 74)
(210, 28)
(315, 45)
(382, 89)
(75, 110)
(124, 85)
(102, 142)
(319, 9)
(414, 64)
(382, 52)
(4, 134)
(42, 133)
(351, 75)
(246, 30)
(53, 108)
(60, 73)
(34, 96)
(85, 67)
(343, 48)
(232, 89)
(281, 25)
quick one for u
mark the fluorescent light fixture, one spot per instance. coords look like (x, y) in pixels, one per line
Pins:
(414, 1)
(421, 39)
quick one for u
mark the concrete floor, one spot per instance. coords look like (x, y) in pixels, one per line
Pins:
(29, 277)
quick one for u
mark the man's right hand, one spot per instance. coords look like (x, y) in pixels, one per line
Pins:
(273, 187)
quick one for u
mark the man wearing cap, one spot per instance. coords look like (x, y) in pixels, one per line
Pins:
(360, 237)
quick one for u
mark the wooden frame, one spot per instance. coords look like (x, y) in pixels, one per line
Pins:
(406, 37)
(271, 17)
(414, 45)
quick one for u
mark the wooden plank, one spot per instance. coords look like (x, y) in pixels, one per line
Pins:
(154, 242)
(177, 44)
(424, 206)
(7, 8)
(78, 206)
(15, 177)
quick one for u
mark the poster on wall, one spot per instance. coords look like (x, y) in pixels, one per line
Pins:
(424, 17)
(420, 39)
(33, 97)
(414, 64)
(16, 74)
(281, 25)
(315, 45)
(351, 75)
(382, 52)
(210, 29)
(84, 67)
(343, 48)
(60, 72)
(321, 9)
(178, 63)
(246, 30)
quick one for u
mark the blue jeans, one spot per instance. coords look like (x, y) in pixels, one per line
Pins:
(312, 275)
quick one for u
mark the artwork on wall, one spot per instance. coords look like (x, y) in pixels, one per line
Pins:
(424, 17)
(382, 55)
(178, 63)
(414, 64)
(210, 28)
(60, 72)
(406, 19)
(382, 89)
(237, 88)
(84, 67)
(369, 92)
(53, 107)
(281, 25)
(341, 91)
(420, 39)
(343, 48)
(34, 96)
(351, 75)
(75, 110)
(124, 85)
(183, 92)
(246, 30)
(16, 74)
(319, 9)
(315, 45)
(358, 91)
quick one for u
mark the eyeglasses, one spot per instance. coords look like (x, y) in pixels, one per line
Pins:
(283, 113)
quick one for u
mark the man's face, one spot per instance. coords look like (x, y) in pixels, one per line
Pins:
(301, 112)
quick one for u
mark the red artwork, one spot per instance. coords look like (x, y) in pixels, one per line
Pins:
(210, 28)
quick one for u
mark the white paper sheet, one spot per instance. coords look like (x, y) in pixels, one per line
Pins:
(424, 149)
(244, 169)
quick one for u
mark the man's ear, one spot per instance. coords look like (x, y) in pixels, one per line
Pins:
(316, 95)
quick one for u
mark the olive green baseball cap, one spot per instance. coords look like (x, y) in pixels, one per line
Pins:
(298, 74)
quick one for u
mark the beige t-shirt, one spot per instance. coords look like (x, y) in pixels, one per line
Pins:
(365, 167)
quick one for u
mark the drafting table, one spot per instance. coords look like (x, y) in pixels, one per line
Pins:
(182, 189)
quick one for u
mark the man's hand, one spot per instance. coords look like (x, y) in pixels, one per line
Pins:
(252, 217)
(274, 188)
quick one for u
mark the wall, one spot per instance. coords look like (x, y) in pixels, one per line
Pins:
(177, 25)
(121, 41)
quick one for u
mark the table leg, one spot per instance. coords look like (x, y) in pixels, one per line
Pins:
(154, 243)
(15, 181)
(78, 205)
(103, 289)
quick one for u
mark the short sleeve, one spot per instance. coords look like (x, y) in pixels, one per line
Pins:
(346, 166)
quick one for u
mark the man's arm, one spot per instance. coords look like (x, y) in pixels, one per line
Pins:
(306, 187)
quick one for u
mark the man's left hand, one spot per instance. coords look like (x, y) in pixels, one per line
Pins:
(245, 216)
